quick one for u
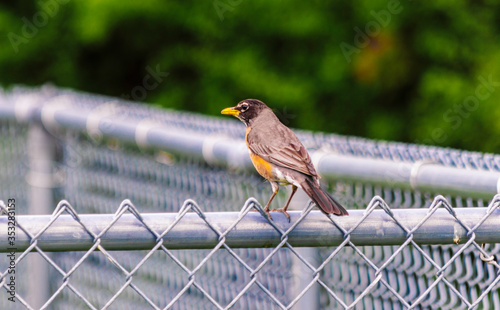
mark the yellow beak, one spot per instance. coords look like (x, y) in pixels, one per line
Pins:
(230, 111)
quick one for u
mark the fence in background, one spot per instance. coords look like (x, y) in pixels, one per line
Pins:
(406, 247)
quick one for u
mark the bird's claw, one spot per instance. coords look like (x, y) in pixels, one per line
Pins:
(284, 212)
(267, 211)
(269, 214)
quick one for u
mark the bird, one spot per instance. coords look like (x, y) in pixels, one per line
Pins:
(279, 156)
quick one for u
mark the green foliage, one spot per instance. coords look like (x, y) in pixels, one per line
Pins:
(400, 70)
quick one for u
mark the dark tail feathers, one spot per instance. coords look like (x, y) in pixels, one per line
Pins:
(323, 200)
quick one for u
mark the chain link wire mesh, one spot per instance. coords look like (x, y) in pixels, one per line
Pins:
(95, 175)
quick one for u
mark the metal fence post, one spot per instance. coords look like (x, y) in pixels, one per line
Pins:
(41, 157)
(301, 274)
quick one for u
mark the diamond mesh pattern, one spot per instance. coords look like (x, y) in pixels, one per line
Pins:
(100, 173)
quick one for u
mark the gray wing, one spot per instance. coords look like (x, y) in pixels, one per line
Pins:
(282, 148)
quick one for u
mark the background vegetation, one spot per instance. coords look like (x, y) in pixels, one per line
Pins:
(415, 71)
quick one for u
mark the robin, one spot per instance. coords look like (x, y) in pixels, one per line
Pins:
(279, 157)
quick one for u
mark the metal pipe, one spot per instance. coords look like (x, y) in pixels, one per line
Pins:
(222, 150)
(43, 178)
(424, 176)
(254, 231)
(300, 272)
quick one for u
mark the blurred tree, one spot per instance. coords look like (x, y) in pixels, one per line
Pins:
(425, 72)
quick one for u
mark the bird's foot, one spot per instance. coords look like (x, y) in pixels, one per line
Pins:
(267, 212)
(284, 212)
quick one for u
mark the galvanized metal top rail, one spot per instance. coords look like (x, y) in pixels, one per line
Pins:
(127, 229)
(218, 148)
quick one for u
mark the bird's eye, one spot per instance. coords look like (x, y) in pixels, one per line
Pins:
(244, 107)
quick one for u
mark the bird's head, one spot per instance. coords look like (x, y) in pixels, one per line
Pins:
(246, 110)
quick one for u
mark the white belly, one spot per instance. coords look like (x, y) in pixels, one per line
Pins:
(285, 179)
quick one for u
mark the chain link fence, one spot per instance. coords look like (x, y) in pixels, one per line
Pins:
(186, 236)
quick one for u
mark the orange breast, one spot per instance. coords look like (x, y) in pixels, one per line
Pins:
(263, 167)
